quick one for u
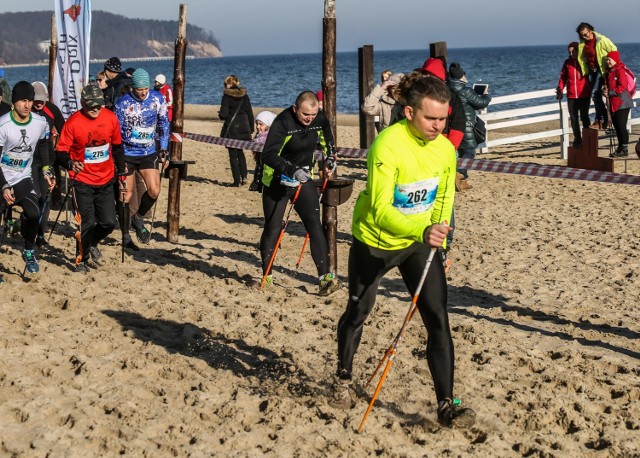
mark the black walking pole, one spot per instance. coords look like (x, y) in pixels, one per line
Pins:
(126, 220)
(5, 217)
(64, 201)
(155, 204)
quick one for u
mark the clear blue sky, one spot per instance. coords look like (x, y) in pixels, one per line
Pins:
(249, 27)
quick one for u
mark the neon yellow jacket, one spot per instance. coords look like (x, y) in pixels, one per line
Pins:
(411, 185)
(603, 46)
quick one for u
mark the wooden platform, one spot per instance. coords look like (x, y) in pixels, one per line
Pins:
(593, 155)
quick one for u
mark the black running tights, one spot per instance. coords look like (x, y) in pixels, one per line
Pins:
(97, 211)
(367, 266)
(26, 198)
(275, 199)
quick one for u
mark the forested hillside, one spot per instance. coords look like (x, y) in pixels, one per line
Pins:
(22, 36)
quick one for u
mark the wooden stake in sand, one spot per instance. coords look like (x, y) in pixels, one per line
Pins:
(177, 130)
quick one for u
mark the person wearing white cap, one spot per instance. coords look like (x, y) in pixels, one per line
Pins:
(160, 85)
(264, 119)
(55, 119)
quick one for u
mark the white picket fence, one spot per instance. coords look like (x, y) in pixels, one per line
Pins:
(533, 115)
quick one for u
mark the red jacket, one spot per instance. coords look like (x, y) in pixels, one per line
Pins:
(97, 143)
(571, 77)
(617, 84)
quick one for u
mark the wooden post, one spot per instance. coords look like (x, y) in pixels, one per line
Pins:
(365, 83)
(53, 55)
(56, 192)
(439, 49)
(177, 127)
(329, 64)
(329, 212)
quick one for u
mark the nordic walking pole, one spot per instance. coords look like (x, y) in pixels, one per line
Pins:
(126, 217)
(155, 204)
(284, 227)
(5, 217)
(64, 201)
(391, 351)
(324, 186)
(610, 122)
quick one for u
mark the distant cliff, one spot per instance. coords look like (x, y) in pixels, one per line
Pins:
(24, 37)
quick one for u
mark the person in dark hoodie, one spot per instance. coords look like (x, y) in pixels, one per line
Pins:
(118, 82)
(237, 114)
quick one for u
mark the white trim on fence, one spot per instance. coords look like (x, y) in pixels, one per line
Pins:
(546, 112)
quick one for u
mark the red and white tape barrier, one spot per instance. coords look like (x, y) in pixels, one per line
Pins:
(482, 165)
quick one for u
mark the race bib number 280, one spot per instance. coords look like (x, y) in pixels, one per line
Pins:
(418, 197)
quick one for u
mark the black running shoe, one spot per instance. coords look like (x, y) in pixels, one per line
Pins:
(96, 255)
(82, 268)
(452, 415)
(31, 263)
(129, 243)
(142, 233)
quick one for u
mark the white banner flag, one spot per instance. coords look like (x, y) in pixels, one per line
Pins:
(73, 24)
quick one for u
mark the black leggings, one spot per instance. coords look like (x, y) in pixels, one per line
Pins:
(367, 266)
(42, 190)
(620, 118)
(97, 211)
(274, 205)
(238, 163)
(26, 198)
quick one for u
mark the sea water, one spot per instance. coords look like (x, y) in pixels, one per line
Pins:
(275, 80)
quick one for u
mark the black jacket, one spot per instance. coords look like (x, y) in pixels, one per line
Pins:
(236, 99)
(115, 89)
(471, 101)
(291, 146)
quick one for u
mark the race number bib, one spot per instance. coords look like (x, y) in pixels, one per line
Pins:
(14, 162)
(142, 135)
(415, 197)
(96, 154)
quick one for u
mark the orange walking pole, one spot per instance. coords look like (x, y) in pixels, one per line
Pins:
(284, 227)
(306, 238)
(391, 351)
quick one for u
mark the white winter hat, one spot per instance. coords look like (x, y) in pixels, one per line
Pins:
(266, 117)
(160, 78)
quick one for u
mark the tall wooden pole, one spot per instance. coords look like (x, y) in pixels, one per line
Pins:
(329, 64)
(330, 212)
(365, 80)
(53, 55)
(56, 192)
(177, 128)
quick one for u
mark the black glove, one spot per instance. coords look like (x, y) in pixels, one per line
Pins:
(256, 185)
(558, 94)
(163, 154)
(330, 162)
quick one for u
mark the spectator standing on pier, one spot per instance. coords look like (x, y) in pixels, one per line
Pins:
(619, 100)
(578, 93)
(592, 57)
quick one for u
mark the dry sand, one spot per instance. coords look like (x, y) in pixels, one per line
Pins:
(174, 353)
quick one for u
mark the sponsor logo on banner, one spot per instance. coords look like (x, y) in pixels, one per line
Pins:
(73, 28)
